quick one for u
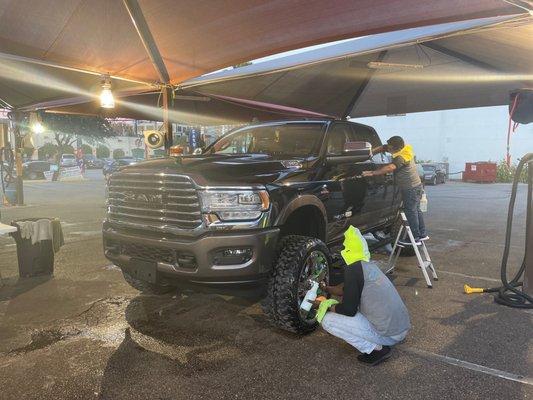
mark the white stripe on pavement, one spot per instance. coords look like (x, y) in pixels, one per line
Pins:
(471, 366)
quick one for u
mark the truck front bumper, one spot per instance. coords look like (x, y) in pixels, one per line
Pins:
(219, 258)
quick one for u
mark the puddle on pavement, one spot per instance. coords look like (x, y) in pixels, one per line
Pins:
(42, 339)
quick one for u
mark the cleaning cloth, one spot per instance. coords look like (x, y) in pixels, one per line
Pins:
(324, 307)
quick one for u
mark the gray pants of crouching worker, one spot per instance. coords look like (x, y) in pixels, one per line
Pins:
(358, 332)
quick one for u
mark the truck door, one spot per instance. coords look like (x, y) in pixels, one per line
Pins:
(346, 199)
(381, 188)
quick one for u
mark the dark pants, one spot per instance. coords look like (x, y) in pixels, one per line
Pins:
(411, 206)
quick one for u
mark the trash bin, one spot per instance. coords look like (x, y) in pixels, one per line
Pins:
(33, 259)
(480, 172)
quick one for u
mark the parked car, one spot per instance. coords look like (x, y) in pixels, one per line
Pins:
(421, 172)
(262, 206)
(91, 162)
(68, 160)
(35, 169)
(434, 174)
(112, 165)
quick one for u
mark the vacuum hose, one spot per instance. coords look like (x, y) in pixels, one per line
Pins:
(510, 294)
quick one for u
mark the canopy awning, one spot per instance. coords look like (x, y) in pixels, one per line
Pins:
(56, 49)
(454, 65)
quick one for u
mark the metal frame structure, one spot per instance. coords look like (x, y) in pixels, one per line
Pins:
(147, 39)
(362, 86)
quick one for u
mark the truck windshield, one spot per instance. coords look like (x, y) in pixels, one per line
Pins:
(285, 140)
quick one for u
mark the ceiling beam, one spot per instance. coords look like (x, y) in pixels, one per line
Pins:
(460, 56)
(137, 17)
(6, 104)
(362, 86)
(34, 61)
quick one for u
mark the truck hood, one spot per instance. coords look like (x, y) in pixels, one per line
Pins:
(232, 170)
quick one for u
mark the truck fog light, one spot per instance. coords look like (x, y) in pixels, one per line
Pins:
(239, 215)
(233, 256)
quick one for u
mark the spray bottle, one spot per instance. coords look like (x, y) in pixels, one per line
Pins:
(310, 297)
(424, 202)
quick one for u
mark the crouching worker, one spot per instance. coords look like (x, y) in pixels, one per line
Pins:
(371, 316)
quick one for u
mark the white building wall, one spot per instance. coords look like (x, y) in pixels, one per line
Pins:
(456, 136)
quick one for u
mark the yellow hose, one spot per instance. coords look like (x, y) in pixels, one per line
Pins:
(470, 290)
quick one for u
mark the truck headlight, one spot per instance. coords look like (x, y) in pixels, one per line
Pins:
(235, 205)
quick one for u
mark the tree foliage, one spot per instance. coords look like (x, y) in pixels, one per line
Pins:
(53, 151)
(118, 153)
(102, 151)
(86, 149)
(66, 128)
(47, 151)
(506, 173)
(89, 126)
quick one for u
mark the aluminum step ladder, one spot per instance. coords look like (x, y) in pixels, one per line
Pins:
(424, 261)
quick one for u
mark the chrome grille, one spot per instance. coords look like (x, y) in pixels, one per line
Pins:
(153, 201)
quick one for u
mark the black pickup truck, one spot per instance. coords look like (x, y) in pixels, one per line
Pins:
(261, 206)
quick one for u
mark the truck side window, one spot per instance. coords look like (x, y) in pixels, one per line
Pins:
(366, 134)
(337, 137)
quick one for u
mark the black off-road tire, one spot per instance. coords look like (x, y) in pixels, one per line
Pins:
(146, 287)
(406, 251)
(281, 304)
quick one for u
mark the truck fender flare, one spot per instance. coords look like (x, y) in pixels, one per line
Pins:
(298, 202)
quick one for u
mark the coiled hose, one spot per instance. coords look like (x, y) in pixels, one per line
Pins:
(509, 293)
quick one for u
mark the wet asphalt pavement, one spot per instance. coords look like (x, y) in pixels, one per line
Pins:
(85, 334)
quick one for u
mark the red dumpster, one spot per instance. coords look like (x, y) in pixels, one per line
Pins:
(480, 172)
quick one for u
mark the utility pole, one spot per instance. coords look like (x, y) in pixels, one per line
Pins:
(16, 119)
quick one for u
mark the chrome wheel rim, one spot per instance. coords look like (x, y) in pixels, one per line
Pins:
(315, 269)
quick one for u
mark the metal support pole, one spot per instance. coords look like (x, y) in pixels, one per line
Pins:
(147, 39)
(528, 260)
(19, 185)
(167, 125)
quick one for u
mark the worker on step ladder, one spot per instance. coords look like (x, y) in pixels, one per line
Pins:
(413, 230)
(404, 168)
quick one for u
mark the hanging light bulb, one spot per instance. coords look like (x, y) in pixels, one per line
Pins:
(106, 96)
(37, 128)
(36, 124)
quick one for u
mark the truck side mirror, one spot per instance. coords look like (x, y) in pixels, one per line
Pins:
(353, 152)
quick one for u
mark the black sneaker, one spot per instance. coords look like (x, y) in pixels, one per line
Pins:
(376, 356)
(407, 242)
